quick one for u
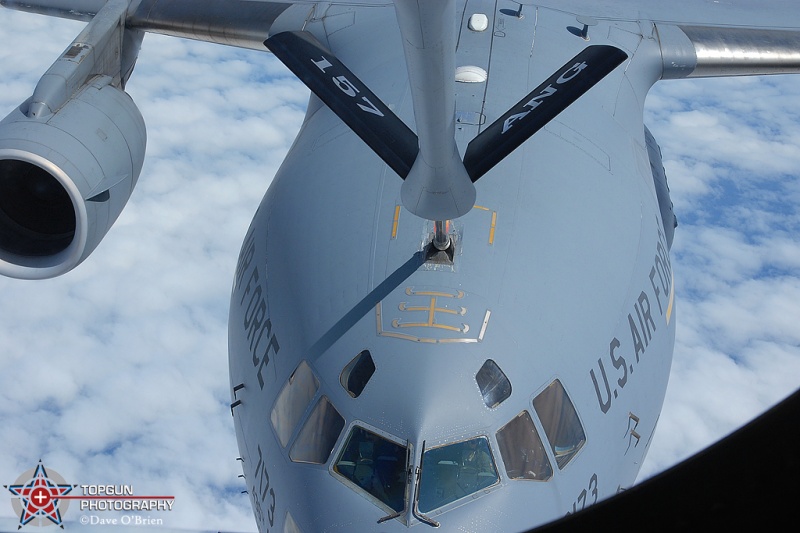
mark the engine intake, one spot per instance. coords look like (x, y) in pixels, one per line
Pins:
(65, 178)
(36, 215)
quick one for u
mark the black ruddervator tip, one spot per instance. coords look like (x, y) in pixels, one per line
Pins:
(348, 97)
(539, 107)
(395, 143)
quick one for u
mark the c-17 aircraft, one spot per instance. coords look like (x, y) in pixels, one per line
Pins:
(455, 306)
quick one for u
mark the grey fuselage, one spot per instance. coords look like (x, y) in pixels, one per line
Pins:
(561, 271)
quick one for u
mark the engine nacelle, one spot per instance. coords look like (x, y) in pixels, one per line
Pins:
(65, 178)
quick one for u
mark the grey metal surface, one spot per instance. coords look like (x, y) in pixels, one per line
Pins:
(75, 9)
(242, 23)
(740, 51)
(438, 186)
(743, 13)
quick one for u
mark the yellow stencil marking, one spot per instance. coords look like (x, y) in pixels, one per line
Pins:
(412, 292)
(493, 223)
(671, 297)
(414, 338)
(430, 310)
(396, 219)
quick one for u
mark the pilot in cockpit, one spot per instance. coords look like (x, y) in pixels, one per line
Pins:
(474, 462)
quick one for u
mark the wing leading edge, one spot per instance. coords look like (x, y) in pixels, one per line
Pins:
(709, 51)
(762, 14)
(240, 23)
(697, 39)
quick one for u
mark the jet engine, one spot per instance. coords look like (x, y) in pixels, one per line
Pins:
(65, 177)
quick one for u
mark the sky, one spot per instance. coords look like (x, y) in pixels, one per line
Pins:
(117, 371)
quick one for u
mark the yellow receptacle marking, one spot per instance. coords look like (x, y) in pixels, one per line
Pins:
(396, 219)
(671, 297)
(429, 323)
(493, 224)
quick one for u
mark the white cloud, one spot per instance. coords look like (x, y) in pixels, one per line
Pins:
(730, 150)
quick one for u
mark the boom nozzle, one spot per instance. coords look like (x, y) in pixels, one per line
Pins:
(438, 187)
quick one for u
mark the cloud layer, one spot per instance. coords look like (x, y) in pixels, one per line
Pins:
(117, 371)
(730, 151)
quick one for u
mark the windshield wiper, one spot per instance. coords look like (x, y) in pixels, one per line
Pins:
(408, 480)
(415, 508)
(392, 516)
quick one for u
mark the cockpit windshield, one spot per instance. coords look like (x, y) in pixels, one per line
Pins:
(452, 472)
(376, 465)
(560, 422)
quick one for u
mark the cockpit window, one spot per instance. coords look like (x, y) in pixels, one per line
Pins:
(357, 373)
(493, 383)
(319, 434)
(452, 472)
(560, 422)
(376, 465)
(293, 401)
(522, 450)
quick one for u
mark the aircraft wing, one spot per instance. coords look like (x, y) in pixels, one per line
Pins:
(765, 14)
(772, 14)
(240, 23)
(698, 38)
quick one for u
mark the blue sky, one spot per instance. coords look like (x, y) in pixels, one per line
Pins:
(117, 371)
(730, 150)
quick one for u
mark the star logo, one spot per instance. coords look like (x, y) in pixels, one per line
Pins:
(37, 497)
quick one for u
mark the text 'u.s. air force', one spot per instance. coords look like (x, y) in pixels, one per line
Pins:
(250, 283)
